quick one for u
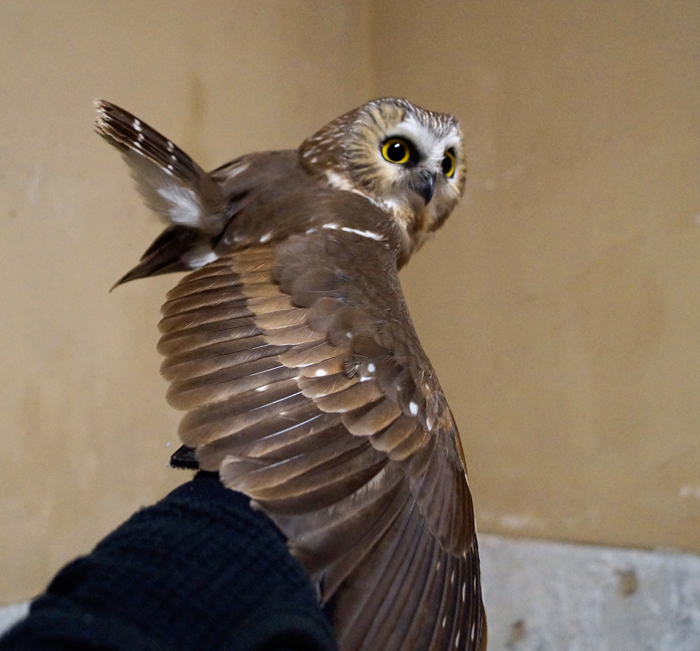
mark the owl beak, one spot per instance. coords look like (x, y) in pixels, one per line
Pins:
(424, 185)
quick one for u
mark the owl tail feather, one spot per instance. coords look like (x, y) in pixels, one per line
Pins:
(178, 190)
(173, 250)
(172, 184)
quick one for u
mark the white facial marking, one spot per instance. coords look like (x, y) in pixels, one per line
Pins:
(413, 408)
(428, 142)
(369, 234)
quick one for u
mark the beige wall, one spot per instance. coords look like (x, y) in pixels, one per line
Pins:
(83, 420)
(560, 305)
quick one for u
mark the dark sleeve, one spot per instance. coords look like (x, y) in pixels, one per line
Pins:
(198, 570)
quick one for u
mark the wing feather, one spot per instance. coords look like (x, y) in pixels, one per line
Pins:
(307, 388)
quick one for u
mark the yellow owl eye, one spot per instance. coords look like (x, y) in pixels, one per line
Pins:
(448, 164)
(396, 150)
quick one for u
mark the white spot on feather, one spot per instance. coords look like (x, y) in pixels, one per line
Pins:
(369, 234)
(337, 181)
(444, 621)
(236, 170)
(262, 388)
(457, 639)
(413, 408)
(170, 146)
(321, 372)
(265, 238)
(137, 124)
(198, 261)
(331, 226)
(371, 367)
(184, 207)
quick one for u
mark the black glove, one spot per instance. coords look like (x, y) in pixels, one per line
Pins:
(198, 570)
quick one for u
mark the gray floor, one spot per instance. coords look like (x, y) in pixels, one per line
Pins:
(543, 596)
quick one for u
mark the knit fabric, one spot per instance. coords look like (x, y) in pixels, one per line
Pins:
(198, 570)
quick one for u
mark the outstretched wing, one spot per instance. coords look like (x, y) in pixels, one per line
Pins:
(306, 387)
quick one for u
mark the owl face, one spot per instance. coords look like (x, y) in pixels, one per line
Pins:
(407, 160)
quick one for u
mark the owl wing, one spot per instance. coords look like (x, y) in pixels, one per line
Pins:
(306, 387)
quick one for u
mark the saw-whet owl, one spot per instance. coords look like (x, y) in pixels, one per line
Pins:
(292, 352)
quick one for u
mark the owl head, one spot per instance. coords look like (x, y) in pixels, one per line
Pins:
(405, 159)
